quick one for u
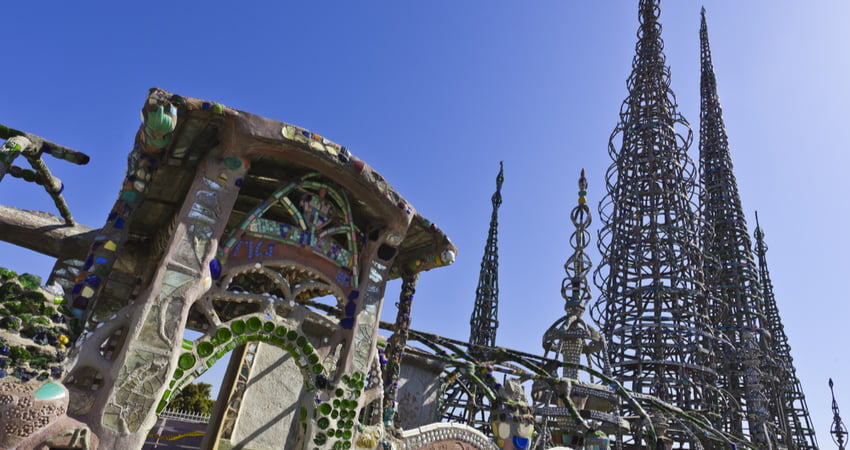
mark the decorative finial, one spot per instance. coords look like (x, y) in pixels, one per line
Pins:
(574, 287)
(759, 233)
(497, 196)
(838, 430)
(582, 191)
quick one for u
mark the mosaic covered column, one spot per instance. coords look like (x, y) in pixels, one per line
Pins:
(396, 344)
(137, 378)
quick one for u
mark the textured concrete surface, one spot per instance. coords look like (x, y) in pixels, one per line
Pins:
(417, 393)
(270, 405)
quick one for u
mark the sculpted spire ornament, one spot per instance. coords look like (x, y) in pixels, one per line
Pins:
(570, 336)
(838, 430)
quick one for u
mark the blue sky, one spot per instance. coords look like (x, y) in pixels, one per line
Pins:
(434, 94)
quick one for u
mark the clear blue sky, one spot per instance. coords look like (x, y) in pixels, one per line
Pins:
(434, 94)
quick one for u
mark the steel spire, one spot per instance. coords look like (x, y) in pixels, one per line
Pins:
(730, 266)
(793, 413)
(484, 321)
(653, 298)
(461, 398)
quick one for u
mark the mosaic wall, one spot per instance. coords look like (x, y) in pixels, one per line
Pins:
(35, 332)
(34, 329)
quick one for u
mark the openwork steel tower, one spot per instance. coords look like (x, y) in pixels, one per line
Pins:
(484, 321)
(788, 402)
(461, 398)
(730, 266)
(652, 307)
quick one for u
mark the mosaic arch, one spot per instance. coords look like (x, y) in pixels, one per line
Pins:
(269, 304)
(297, 245)
(335, 417)
(257, 304)
(201, 354)
(309, 214)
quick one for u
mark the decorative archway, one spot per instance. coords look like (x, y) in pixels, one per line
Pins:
(281, 332)
(281, 291)
(308, 214)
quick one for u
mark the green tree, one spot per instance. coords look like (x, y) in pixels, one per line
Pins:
(193, 398)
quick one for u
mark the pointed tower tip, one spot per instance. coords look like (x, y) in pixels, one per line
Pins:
(497, 196)
(702, 12)
(758, 232)
(582, 182)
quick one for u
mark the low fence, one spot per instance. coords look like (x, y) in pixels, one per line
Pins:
(185, 416)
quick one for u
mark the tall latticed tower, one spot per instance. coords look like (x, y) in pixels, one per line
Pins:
(461, 399)
(484, 321)
(788, 403)
(652, 302)
(730, 266)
